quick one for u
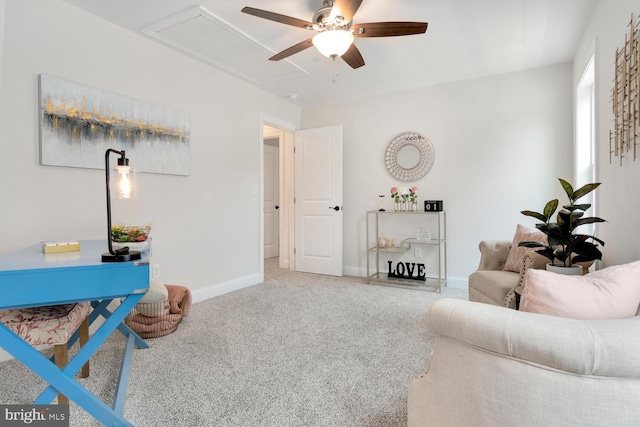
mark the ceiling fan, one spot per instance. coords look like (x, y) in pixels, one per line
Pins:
(336, 31)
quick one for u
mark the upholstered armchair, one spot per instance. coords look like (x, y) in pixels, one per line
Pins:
(496, 367)
(491, 283)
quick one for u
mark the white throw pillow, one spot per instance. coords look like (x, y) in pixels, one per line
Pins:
(610, 293)
(157, 293)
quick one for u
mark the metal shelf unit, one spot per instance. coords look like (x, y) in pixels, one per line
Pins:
(435, 277)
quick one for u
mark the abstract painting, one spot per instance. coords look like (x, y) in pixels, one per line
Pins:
(79, 123)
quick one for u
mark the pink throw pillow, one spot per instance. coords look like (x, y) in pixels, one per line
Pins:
(610, 293)
(516, 253)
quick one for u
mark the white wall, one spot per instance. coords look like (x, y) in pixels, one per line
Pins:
(500, 142)
(618, 196)
(500, 145)
(205, 226)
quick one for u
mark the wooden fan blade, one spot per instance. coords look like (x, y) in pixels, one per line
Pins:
(389, 29)
(283, 19)
(345, 8)
(353, 57)
(292, 50)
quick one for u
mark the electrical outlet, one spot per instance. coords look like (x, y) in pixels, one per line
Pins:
(155, 271)
(417, 252)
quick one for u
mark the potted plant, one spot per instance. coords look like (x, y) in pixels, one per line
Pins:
(134, 237)
(564, 244)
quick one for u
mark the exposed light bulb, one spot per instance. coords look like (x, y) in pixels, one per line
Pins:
(124, 183)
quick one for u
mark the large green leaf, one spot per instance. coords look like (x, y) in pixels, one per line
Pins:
(579, 239)
(536, 215)
(586, 251)
(547, 252)
(564, 214)
(589, 220)
(584, 190)
(579, 258)
(529, 244)
(585, 236)
(543, 227)
(549, 209)
(582, 207)
(554, 229)
(567, 220)
(567, 188)
(558, 235)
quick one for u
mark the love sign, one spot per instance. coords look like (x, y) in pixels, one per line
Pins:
(406, 270)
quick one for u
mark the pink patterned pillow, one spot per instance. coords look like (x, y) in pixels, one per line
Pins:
(516, 253)
(610, 293)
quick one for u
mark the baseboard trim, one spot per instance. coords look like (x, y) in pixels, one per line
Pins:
(223, 288)
(458, 282)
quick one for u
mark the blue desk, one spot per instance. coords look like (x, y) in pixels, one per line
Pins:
(29, 278)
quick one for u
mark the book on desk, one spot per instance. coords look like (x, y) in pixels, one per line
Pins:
(51, 247)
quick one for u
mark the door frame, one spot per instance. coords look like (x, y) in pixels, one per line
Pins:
(268, 120)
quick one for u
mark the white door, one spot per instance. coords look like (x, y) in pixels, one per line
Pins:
(318, 200)
(271, 202)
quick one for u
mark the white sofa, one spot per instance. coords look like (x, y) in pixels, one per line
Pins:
(494, 366)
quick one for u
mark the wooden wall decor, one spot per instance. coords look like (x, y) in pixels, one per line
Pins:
(625, 96)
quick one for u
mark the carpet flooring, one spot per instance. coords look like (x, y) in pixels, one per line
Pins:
(297, 350)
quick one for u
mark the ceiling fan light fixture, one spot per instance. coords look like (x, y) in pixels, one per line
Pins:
(332, 43)
(334, 24)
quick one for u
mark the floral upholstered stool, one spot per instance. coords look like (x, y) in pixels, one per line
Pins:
(51, 325)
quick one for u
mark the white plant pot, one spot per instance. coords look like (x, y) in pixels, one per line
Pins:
(574, 270)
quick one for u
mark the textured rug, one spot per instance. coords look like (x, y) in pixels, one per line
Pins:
(296, 350)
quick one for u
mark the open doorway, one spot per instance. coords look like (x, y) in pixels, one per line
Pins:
(271, 194)
(277, 195)
(309, 233)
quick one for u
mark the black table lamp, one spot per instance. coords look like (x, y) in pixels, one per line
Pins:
(125, 191)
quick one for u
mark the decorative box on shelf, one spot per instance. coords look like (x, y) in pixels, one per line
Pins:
(433, 206)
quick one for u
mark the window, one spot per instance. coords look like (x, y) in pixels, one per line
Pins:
(585, 153)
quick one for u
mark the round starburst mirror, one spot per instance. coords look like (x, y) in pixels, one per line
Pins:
(409, 157)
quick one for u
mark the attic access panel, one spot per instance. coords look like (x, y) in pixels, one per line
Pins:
(200, 33)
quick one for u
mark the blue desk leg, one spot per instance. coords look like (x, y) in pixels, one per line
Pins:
(111, 323)
(100, 309)
(49, 372)
(125, 368)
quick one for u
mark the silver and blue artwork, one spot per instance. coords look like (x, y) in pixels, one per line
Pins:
(79, 123)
